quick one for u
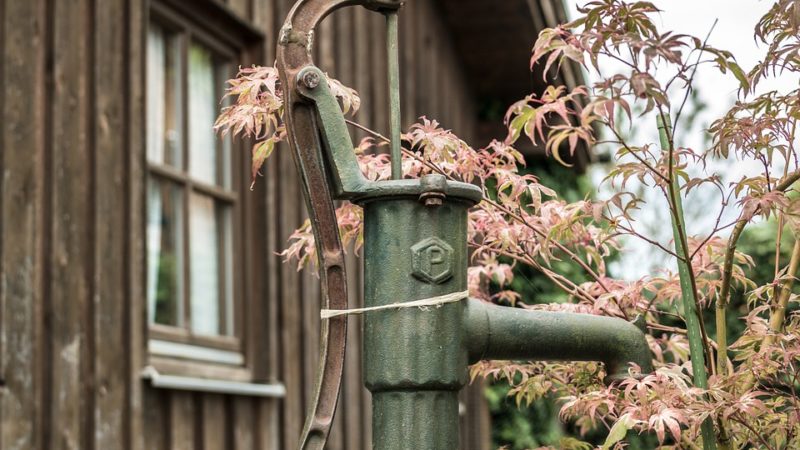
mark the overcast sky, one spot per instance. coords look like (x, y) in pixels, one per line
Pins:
(734, 32)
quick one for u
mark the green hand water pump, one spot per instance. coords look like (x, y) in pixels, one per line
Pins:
(415, 249)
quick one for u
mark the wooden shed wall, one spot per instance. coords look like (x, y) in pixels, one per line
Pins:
(73, 328)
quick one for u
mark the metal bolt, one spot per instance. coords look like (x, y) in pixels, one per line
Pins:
(433, 186)
(432, 198)
(434, 201)
(311, 79)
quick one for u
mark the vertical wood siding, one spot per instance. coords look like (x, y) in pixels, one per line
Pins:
(72, 313)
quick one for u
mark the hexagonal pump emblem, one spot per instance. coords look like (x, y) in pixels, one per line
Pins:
(432, 260)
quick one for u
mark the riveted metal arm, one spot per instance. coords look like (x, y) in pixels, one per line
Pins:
(337, 148)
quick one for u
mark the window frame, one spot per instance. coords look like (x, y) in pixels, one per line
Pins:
(177, 349)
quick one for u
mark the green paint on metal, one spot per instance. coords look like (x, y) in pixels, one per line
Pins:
(336, 143)
(415, 419)
(498, 332)
(342, 166)
(415, 360)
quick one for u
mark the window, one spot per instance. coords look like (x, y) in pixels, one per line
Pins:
(192, 204)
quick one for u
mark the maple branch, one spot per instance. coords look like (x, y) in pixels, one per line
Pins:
(644, 162)
(727, 274)
(368, 130)
(738, 419)
(716, 229)
(690, 83)
(778, 314)
(563, 283)
(632, 232)
(572, 255)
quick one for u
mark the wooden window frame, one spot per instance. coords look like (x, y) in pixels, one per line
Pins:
(176, 350)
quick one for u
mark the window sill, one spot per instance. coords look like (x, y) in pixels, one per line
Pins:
(197, 384)
(165, 348)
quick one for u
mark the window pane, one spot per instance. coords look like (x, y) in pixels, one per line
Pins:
(227, 261)
(210, 261)
(205, 87)
(164, 253)
(225, 72)
(163, 97)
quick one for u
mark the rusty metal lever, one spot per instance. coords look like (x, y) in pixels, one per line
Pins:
(323, 179)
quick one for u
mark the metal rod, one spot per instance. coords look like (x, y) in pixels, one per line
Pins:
(393, 67)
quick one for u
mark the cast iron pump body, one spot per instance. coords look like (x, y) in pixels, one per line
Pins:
(415, 247)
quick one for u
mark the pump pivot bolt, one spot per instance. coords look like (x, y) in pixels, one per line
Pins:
(433, 188)
(432, 198)
(310, 79)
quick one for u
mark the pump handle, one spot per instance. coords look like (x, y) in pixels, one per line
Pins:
(323, 154)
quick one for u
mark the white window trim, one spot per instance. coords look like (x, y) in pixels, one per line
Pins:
(173, 382)
(158, 347)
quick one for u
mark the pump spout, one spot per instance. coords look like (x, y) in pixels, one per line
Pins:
(497, 332)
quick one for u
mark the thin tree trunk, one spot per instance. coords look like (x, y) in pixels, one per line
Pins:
(688, 291)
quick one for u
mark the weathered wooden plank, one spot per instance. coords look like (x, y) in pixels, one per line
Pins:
(290, 203)
(241, 8)
(182, 417)
(2, 296)
(445, 87)
(352, 411)
(271, 420)
(244, 423)
(23, 37)
(291, 307)
(156, 419)
(361, 78)
(261, 220)
(408, 63)
(135, 314)
(2, 215)
(421, 42)
(343, 49)
(69, 309)
(432, 63)
(345, 55)
(268, 425)
(110, 300)
(379, 90)
(214, 422)
(326, 45)
(267, 413)
(475, 426)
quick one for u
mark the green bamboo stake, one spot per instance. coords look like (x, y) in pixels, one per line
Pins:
(687, 289)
